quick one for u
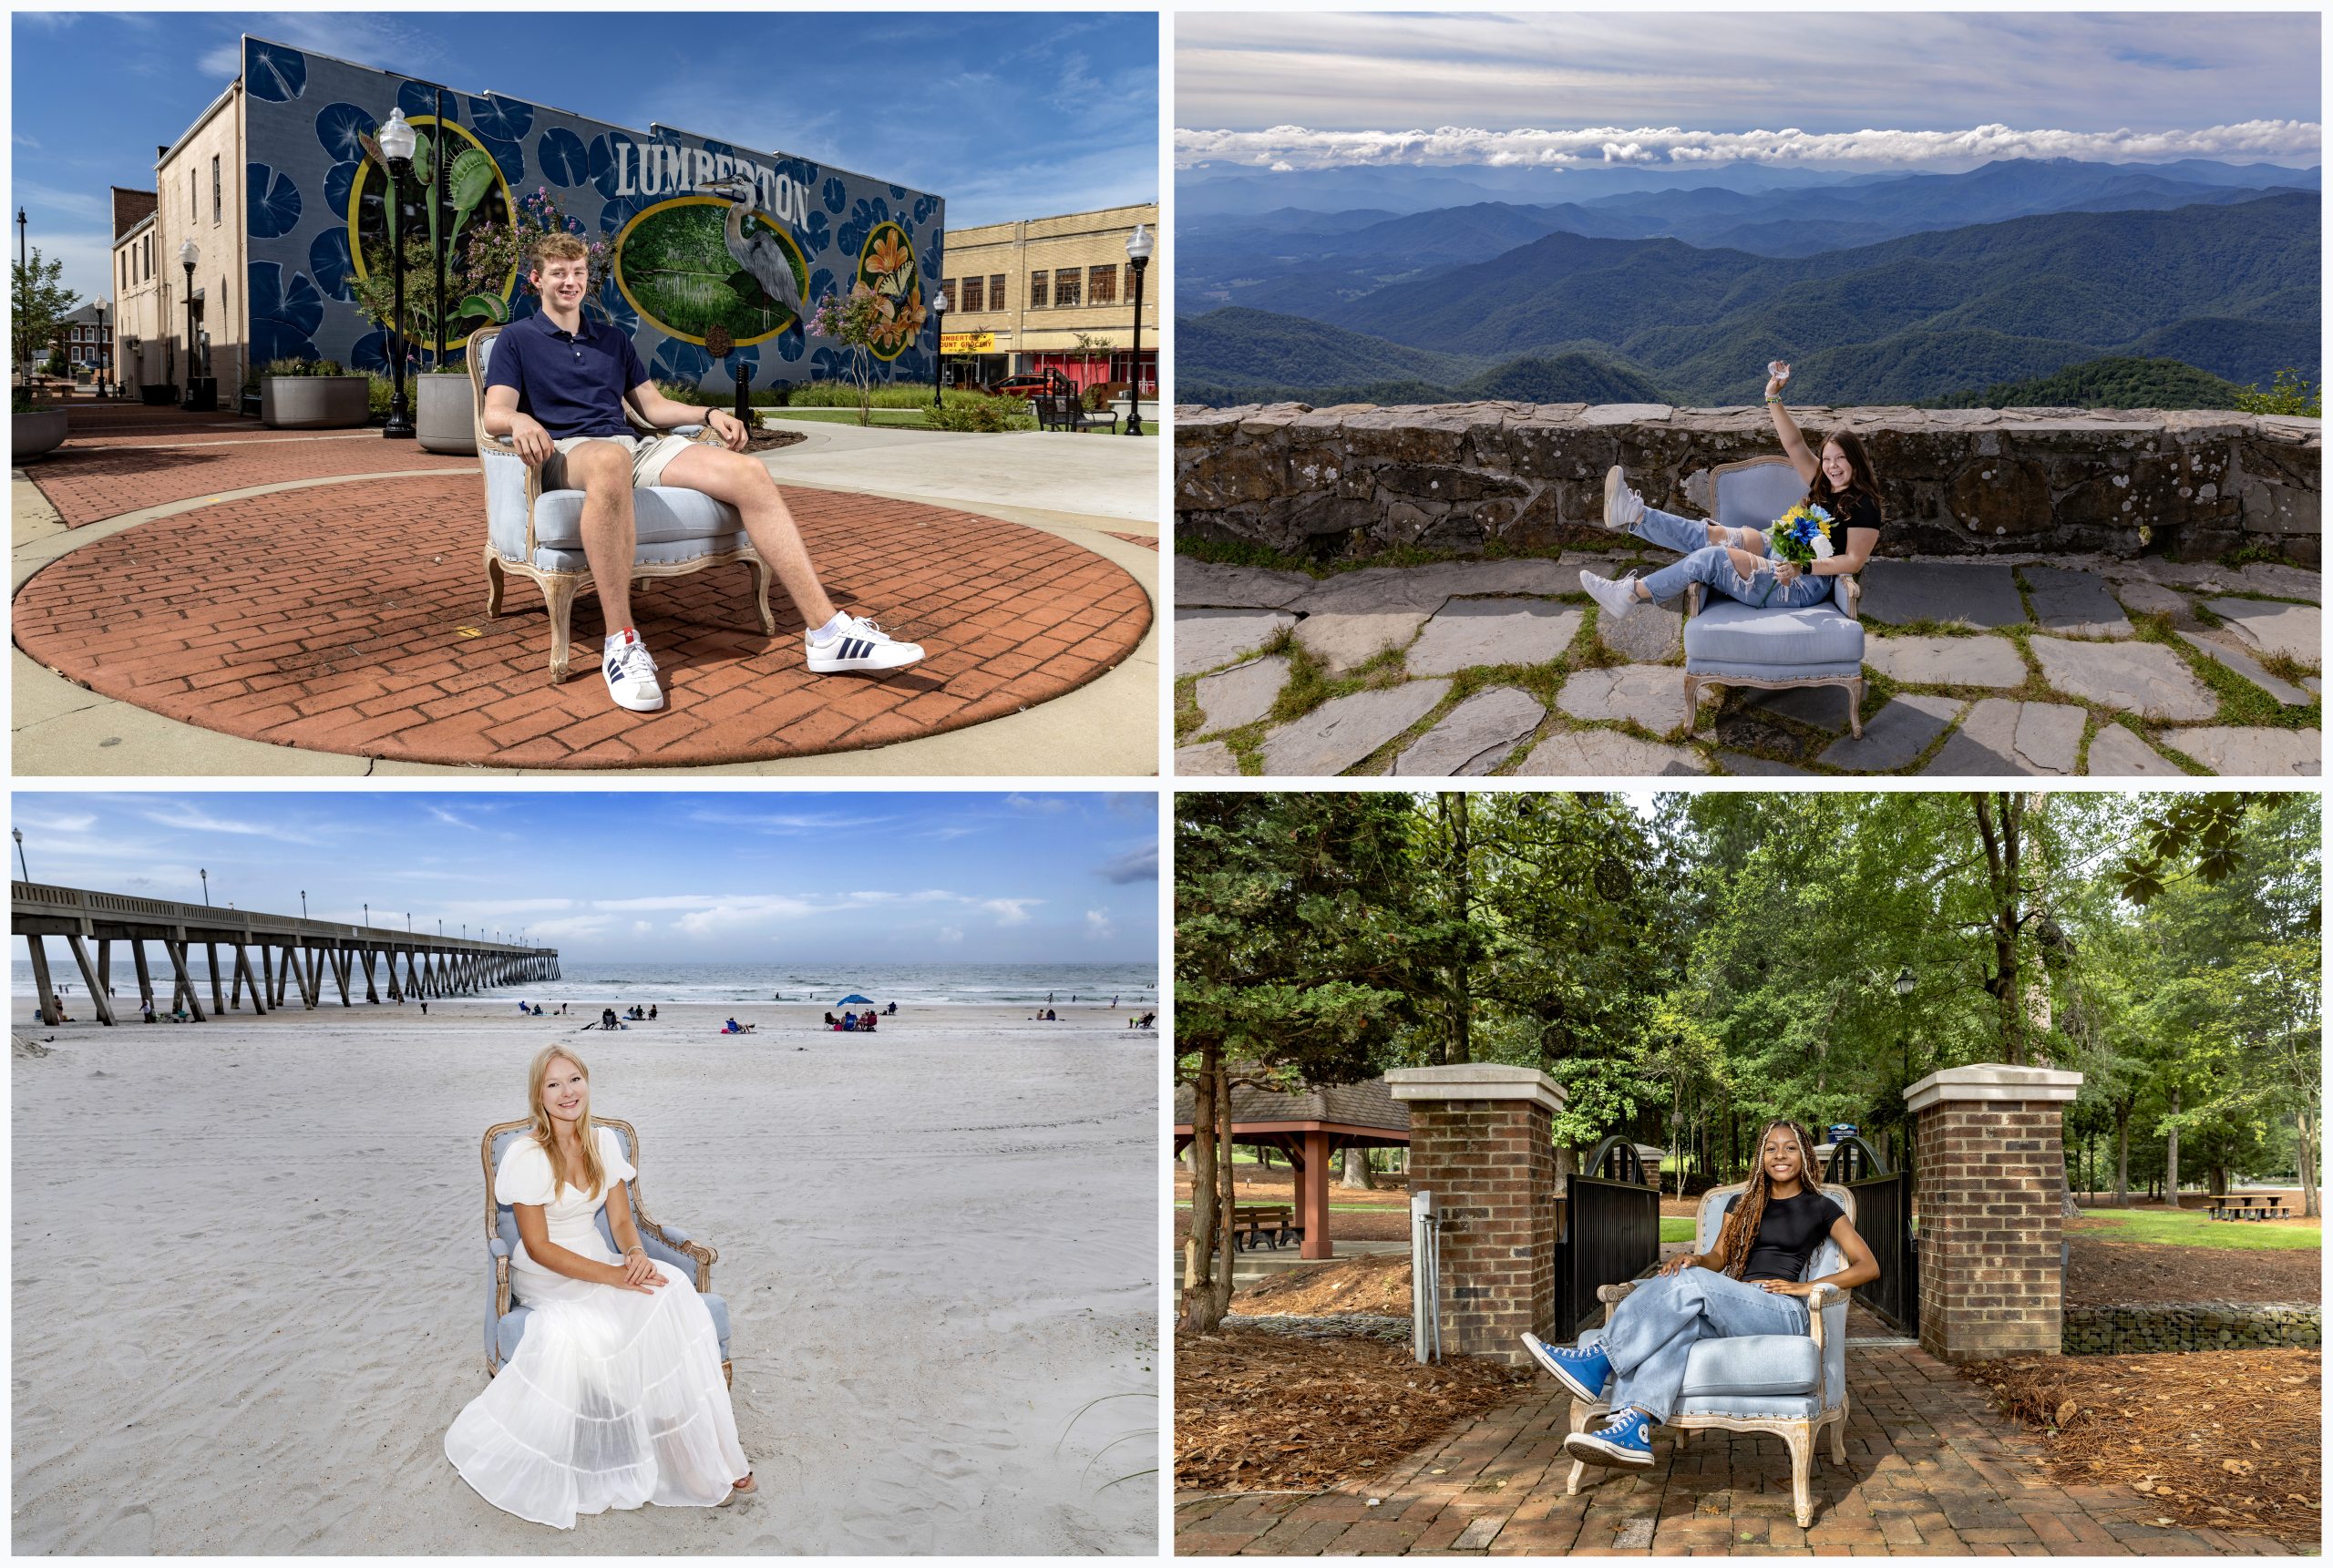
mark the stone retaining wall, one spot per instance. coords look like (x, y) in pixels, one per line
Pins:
(2190, 1325)
(1356, 480)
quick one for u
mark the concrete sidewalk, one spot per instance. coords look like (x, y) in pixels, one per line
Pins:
(1054, 471)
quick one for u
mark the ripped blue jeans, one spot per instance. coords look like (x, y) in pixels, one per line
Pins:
(1654, 1327)
(1713, 566)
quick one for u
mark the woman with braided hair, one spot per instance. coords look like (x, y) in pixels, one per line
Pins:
(1747, 1284)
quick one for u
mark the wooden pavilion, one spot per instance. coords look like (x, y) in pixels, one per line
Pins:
(1309, 1127)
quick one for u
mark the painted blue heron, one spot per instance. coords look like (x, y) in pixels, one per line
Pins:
(757, 250)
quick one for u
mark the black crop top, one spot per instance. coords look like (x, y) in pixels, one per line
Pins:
(1789, 1232)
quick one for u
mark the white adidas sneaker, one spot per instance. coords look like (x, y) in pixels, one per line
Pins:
(1623, 507)
(1615, 598)
(630, 673)
(860, 645)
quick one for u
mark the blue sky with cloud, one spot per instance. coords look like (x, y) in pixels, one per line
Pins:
(905, 877)
(1006, 115)
(1870, 90)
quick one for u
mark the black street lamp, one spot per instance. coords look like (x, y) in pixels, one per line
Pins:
(105, 349)
(1904, 984)
(1138, 248)
(20, 238)
(939, 340)
(206, 887)
(396, 140)
(17, 833)
(303, 902)
(188, 255)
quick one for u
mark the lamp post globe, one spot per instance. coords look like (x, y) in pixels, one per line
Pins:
(1138, 248)
(939, 336)
(189, 255)
(397, 140)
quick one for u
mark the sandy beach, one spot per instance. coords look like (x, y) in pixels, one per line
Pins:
(249, 1276)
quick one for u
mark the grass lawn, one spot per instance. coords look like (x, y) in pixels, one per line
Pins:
(913, 416)
(1676, 1227)
(2189, 1227)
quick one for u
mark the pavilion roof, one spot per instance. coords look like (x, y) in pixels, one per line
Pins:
(1369, 1104)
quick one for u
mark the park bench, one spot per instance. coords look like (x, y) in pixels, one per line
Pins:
(1068, 412)
(1269, 1224)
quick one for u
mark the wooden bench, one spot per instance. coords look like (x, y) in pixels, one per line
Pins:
(1268, 1224)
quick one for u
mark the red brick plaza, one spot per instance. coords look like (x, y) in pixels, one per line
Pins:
(342, 610)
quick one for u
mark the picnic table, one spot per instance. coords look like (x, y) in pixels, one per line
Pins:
(2250, 1206)
(1268, 1224)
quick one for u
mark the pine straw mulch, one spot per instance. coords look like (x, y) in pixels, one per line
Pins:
(1262, 1412)
(1377, 1284)
(2223, 1439)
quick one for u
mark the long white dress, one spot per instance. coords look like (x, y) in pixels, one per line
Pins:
(614, 1398)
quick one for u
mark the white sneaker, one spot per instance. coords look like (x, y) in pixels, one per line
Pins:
(859, 644)
(1615, 598)
(1623, 507)
(630, 673)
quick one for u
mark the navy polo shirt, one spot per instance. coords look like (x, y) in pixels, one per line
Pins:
(572, 384)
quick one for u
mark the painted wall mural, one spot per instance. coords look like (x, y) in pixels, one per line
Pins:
(705, 246)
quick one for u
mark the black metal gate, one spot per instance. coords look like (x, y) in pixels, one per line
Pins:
(1883, 1220)
(1611, 1231)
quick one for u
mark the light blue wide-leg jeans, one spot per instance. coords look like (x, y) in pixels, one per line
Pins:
(1657, 1324)
(1713, 565)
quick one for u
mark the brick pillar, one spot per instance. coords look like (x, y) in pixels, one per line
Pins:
(1987, 1165)
(1480, 1141)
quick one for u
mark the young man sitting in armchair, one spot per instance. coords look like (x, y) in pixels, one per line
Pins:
(555, 386)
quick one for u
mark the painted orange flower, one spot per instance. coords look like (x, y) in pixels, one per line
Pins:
(888, 254)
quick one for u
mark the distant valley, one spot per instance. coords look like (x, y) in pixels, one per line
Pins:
(1909, 289)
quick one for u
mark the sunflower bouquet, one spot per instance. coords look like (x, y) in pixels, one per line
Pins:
(1800, 535)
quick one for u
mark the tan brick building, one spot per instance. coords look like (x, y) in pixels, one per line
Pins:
(1020, 294)
(197, 196)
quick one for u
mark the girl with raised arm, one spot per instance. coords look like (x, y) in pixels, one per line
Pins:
(1739, 562)
(615, 1397)
(1747, 1284)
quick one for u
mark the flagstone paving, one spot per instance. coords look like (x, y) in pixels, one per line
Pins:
(1932, 1470)
(2064, 667)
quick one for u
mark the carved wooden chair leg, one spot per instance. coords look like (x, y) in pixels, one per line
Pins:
(1839, 1436)
(1692, 706)
(1854, 706)
(493, 583)
(559, 598)
(1580, 1414)
(761, 595)
(1800, 1438)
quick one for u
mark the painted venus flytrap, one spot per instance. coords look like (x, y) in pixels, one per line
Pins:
(703, 241)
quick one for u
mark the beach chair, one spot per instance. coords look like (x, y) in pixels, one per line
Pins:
(1730, 643)
(505, 1320)
(538, 533)
(1791, 1388)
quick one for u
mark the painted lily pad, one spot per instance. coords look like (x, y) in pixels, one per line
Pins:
(275, 201)
(562, 157)
(273, 72)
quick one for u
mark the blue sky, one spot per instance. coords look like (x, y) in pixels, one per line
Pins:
(1886, 87)
(906, 877)
(1006, 115)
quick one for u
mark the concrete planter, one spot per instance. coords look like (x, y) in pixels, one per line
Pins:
(33, 434)
(444, 414)
(314, 402)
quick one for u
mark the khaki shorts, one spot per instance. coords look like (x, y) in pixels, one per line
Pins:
(648, 457)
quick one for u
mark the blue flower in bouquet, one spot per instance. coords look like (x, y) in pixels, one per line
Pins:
(1800, 535)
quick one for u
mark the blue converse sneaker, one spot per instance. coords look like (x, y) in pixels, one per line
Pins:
(1584, 1372)
(1625, 1441)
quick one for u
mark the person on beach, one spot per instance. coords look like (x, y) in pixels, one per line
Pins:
(1747, 1284)
(615, 1397)
(1739, 562)
(555, 386)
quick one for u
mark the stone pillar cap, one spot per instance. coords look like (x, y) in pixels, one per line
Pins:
(1992, 1080)
(1476, 1081)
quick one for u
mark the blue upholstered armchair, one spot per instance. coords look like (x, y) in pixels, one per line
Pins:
(505, 1320)
(1730, 643)
(1780, 1383)
(538, 533)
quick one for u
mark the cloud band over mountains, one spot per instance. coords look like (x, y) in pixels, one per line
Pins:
(1285, 147)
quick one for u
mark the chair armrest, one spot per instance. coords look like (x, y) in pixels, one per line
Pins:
(1613, 1295)
(679, 1251)
(1848, 592)
(498, 1247)
(1823, 1296)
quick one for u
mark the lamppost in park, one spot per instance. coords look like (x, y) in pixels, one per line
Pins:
(938, 339)
(1904, 984)
(396, 140)
(205, 874)
(1138, 248)
(190, 254)
(105, 349)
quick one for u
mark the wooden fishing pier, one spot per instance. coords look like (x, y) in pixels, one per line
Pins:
(272, 953)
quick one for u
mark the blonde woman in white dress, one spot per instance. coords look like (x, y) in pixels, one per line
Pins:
(615, 1397)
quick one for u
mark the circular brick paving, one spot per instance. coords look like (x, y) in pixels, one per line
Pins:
(351, 618)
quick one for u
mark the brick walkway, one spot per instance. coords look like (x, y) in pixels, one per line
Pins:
(351, 619)
(1931, 1470)
(88, 482)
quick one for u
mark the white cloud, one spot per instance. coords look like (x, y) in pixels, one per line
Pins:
(574, 925)
(194, 819)
(948, 936)
(1010, 911)
(1049, 805)
(643, 928)
(1098, 924)
(787, 821)
(470, 908)
(74, 822)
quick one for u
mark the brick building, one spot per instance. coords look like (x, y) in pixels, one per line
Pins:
(1051, 293)
(136, 326)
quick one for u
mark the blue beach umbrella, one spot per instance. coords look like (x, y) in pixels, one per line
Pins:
(855, 996)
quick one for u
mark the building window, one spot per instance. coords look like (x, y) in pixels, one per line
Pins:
(189, 195)
(217, 201)
(996, 291)
(973, 297)
(1067, 287)
(1036, 290)
(1102, 285)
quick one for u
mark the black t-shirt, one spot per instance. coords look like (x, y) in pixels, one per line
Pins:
(1788, 1233)
(1855, 511)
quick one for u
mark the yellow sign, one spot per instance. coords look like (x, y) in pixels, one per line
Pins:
(967, 343)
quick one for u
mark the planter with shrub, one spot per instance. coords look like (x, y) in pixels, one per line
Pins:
(311, 395)
(444, 412)
(35, 425)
